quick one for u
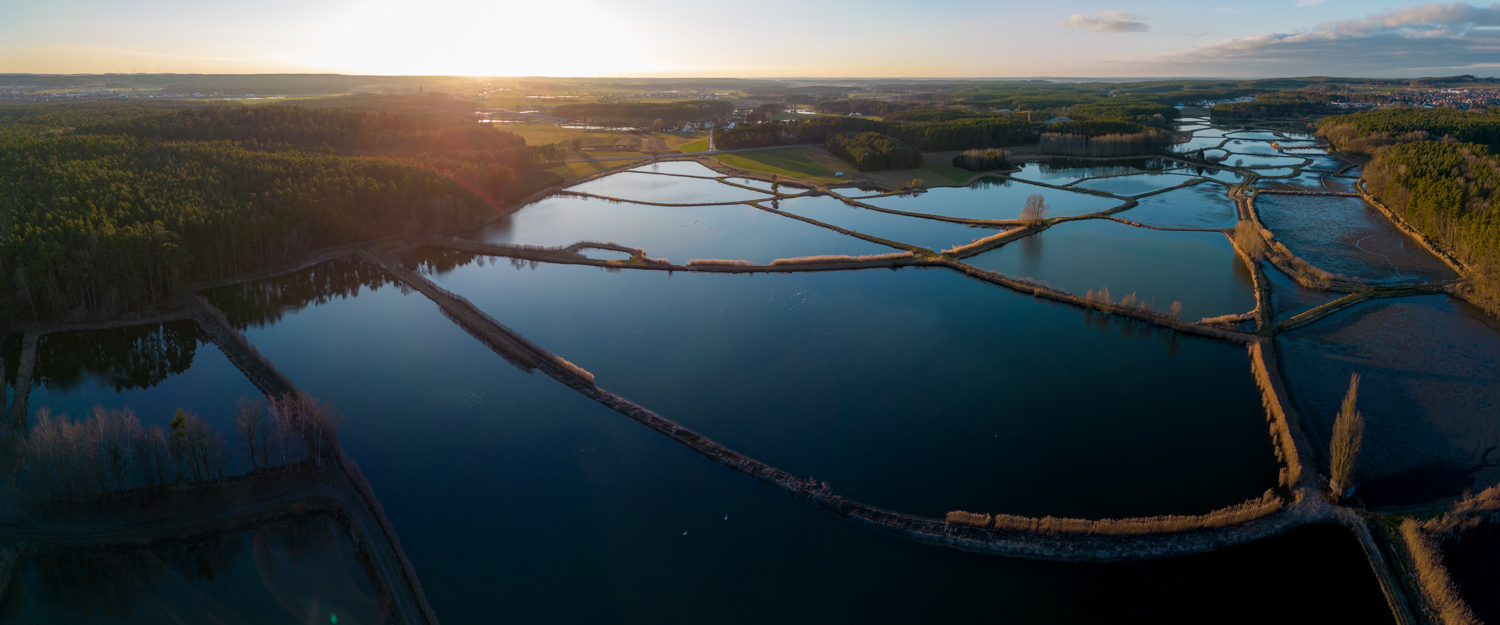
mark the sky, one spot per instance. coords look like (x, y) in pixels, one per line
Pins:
(765, 38)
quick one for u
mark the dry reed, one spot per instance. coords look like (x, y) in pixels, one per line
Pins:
(1281, 433)
(840, 258)
(1137, 526)
(718, 262)
(1437, 585)
(959, 249)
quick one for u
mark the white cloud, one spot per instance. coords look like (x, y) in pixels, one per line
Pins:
(1107, 22)
(1430, 36)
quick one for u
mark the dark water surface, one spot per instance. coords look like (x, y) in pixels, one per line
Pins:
(292, 572)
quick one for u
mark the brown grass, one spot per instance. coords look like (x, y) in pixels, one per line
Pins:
(837, 258)
(1441, 592)
(1281, 434)
(959, 249)
(718, 262)
(1138, 526)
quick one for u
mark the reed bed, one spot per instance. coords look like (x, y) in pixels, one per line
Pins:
(842, 258)
(1442, 594)
(1137, 526)
(655, 261)
(959, 249)
(718, 262)
(1281, 434)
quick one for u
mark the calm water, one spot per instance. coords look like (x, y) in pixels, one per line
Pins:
(994, 199)
(1288, 299)
(1475, 566)
(1198, 142)
(1312, 181)
(1258, 161)
(1343, 235)
(666, 189)
(555, 488)
(153, 370)
(681, 168)
(1201, 206)
(1244, 146)
(298, 571)
(1134, 185)
(1430, 393)
(929, 233)
(1064, 171)
(1199, 269)
(679, 233)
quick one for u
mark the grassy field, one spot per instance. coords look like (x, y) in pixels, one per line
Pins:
(813, 164)
(582, 169)
(541, 134)
(817, 165)
(696, 145)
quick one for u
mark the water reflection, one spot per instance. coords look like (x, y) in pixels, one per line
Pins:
(301, 570)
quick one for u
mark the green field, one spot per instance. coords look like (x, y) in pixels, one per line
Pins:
(814, 165)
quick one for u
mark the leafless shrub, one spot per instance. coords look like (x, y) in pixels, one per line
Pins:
(1035, 210)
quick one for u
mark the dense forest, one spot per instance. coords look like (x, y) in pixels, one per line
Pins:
(927, 136)
(1367, 131)
(984, 160)
(113, 209)
(1287, 104)
(1451, 193)
(685, 111)
(871, 151)
(1114, 144)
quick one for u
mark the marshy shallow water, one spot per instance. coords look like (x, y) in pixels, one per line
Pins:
(1430, 392)
(992, 198)
(1344, 235)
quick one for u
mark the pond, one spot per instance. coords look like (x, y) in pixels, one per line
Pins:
(929, 233)
(1199, 269)
(301, 570)
(1063, 171)
(1309, 181)
(678, 233)
(153, 370)
(679, 168)
(995, 199)
(1289, 299)
(924, 439)
(660, 189)
(1199, 206)
(1134, 185)
(1430, 393)
(1474, 564)
(555, 488)
(1343, 235)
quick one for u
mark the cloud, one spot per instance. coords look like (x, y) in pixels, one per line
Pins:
(1107, 22)
(1430, 36)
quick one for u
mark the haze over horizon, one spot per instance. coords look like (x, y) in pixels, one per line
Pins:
(676, 38)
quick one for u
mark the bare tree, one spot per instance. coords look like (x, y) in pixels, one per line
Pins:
(1035, 210)
(300, 414)
(1348, 434)
(255, 431)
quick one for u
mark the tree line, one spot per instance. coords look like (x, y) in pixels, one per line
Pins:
(871, 151)
(684, 111)
(110, 452)
(926, 136)
(1367, 131)
(119, 214)
(1451, 193)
